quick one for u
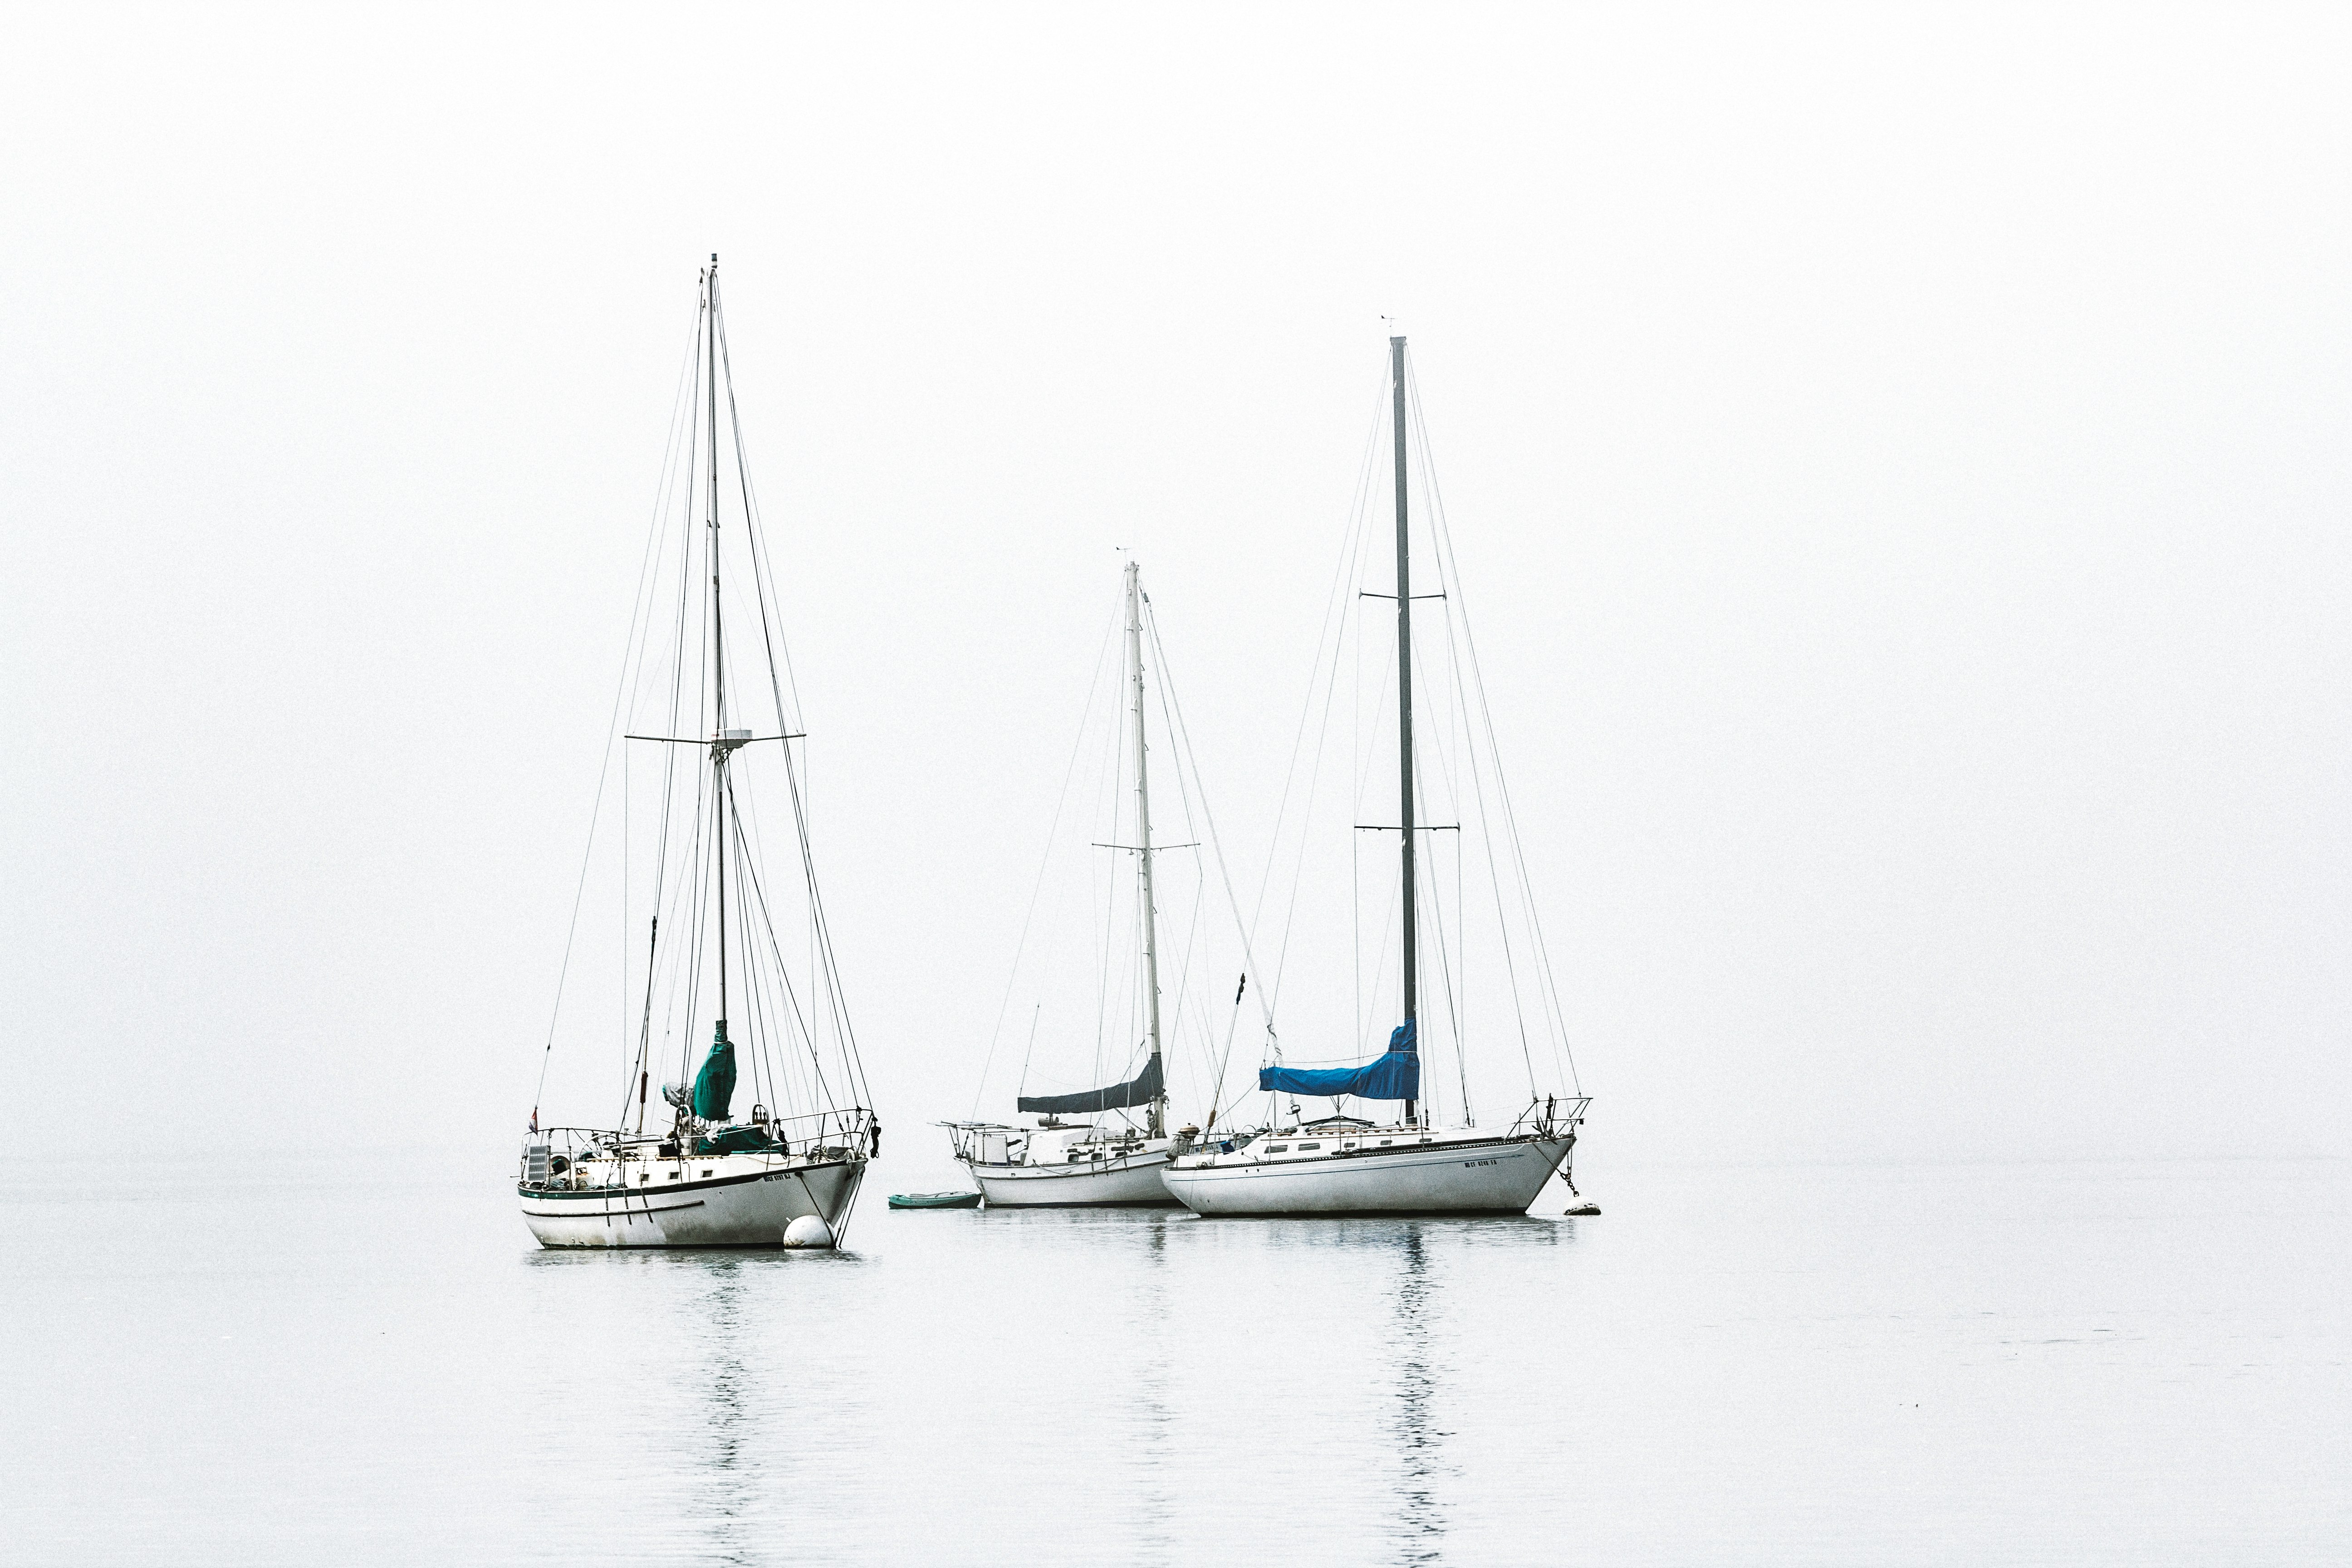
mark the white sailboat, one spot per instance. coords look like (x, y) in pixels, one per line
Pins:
(1343, 1164)
(715, 947)
(1059, 1165)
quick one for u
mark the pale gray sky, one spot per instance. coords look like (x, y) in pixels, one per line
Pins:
(1899, 459)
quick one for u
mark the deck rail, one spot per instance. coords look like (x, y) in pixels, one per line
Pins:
(1548, 1114)
(550, 1154)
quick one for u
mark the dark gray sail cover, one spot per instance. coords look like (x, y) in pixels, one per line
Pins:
(1142, 1090)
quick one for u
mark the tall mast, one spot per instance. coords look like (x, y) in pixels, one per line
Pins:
(1143, 842)
(1405, 709)
(717, 641)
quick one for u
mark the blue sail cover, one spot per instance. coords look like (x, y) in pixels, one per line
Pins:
(714, 1086)
(1395, 1075)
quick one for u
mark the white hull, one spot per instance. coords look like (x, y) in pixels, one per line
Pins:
(747, 1202)
(1459, 1173)
(1132, 1180)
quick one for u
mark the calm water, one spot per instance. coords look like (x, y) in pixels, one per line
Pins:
(1871, 1366)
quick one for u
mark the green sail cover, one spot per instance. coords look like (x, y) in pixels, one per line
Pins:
(714, 1086)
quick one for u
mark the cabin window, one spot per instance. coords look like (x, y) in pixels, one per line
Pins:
(706, 1170)
(1305, 1146)
(674, 1175)
(1277, 1148)
(1387, 1141)
(644, 1179)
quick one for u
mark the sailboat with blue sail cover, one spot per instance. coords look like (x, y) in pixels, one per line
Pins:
(1404, 1164)
(729, 954)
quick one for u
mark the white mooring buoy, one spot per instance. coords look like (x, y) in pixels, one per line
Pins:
(808, 1231)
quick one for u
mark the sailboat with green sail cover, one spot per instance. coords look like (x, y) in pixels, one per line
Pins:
(763, 1136)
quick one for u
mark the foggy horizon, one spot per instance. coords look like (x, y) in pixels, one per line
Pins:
(1896, 466)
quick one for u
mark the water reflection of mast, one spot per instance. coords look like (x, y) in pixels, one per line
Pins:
(721, 1318)
(1156, 1518)
(1421, 1523)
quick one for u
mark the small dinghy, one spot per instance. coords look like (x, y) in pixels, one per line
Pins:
(934, 1199)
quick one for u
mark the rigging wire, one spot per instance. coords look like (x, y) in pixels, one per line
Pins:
(1036, 1012)
(1194, 819)
(1111, 792)
(780, 672)
(1443, 535)
(1456, 956)
(688, 599)
(682, 419)
(1331, 635)
(1184, 752)
(1038, 888)
(596, 805)
(1452, 767)
(750, 873)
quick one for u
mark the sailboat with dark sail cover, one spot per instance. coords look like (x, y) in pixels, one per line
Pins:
(1404, 1164)
(1059, 1162)
(698, 1168)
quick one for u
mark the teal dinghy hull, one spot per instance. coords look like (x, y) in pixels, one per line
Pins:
(934, 1199)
